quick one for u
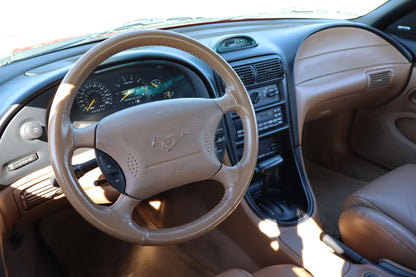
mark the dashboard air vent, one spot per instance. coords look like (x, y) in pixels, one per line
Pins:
(246, 74)
(38, 194)
(380, 79)
(268, 70)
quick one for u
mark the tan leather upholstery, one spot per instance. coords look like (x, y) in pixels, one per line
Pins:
(379, 220)
(271, 271)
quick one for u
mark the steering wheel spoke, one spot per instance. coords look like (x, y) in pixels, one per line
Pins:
(84, 137)
(227, 176)
(124, 206)
(226, 103)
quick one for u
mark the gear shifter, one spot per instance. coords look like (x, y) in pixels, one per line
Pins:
(274, 202)
(267, 168)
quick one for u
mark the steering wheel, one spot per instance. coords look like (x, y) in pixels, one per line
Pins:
(154, 147)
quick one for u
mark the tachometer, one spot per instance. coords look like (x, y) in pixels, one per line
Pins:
(94, 97)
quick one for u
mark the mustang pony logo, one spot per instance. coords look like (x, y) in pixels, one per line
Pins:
(167, 142)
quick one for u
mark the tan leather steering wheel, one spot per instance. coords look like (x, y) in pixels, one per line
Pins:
(135, 139)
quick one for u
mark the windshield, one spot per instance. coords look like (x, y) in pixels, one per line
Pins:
(31, 28)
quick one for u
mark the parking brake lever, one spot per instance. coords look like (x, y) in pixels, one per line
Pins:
(343, 250)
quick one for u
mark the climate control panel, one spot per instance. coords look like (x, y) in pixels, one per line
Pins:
(265, 95)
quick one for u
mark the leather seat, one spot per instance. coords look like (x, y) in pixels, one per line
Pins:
(379, 220)
(271, 271)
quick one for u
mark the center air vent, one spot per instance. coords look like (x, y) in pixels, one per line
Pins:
(260, 72)
(267, 70)
(246, 74)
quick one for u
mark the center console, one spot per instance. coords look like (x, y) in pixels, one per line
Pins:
(276, 191)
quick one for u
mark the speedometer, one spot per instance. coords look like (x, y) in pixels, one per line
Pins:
(94, 97)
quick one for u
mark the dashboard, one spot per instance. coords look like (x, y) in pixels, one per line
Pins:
(290, 81)
(330, 90)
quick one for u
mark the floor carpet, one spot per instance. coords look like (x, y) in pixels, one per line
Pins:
(330, 189)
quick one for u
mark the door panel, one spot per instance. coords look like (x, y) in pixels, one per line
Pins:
(407, 126)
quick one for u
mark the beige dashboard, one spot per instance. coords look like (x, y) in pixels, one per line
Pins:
(343, 68)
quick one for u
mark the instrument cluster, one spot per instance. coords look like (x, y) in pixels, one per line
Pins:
(109, 90)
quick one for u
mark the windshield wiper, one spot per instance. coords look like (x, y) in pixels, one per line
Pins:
(160, 22)
(297, 12)
(144, 23)
(139, 24)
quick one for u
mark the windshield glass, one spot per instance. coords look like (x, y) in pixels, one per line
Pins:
(30, 27)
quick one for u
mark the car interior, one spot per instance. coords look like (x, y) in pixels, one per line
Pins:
(250, 147)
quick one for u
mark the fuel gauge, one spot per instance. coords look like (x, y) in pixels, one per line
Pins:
(168, 94)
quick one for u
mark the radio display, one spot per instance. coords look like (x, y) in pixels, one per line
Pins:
(266, 120)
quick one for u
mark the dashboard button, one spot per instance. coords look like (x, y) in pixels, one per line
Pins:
(31, 130)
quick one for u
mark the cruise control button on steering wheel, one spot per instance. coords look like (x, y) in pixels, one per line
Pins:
(111, 170)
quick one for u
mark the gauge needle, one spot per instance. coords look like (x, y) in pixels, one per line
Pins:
(92, 103)
(153, 84)
(126, 94)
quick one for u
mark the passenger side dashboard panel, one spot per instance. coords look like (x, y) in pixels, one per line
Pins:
(345, 68)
